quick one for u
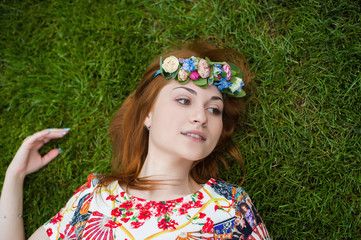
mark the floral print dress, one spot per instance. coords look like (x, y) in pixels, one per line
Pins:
(217, 211)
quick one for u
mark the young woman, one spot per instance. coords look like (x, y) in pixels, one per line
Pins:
(168, 138)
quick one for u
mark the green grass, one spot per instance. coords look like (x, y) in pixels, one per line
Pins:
(72, 63)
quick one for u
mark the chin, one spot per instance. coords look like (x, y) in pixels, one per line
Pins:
(194, 156)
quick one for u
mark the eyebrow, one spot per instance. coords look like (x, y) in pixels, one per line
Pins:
(195, 93)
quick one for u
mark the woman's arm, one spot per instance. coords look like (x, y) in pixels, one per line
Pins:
(27, 160)
(39, 234)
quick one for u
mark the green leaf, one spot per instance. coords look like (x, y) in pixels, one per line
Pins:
(239, 94)
(160, 64)
(184, 82)
(236, 71)
(200, 81)
(174, 74)
(208, 61)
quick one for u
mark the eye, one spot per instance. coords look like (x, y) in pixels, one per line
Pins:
(215, 111)
(184, 101)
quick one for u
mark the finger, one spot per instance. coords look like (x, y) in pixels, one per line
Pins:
(50, 156)
(54, 134)
(38, 139)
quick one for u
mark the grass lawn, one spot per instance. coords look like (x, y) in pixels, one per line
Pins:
(72, 63)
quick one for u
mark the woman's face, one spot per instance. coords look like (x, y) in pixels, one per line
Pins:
(185, 121)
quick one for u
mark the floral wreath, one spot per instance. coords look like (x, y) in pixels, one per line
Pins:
(226, 76)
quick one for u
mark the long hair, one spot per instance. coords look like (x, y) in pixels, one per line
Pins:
(129, 136)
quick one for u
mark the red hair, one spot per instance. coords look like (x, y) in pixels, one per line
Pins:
(130, 137)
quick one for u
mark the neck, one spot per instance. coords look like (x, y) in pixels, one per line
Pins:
(173, 173)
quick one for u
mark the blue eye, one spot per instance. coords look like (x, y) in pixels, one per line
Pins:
(215, 111)
(184, 101)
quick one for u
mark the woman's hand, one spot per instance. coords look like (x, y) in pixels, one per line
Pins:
(28, 159)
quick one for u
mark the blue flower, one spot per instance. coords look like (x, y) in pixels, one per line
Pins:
(188, 65)
(219, 67)
(222, 84)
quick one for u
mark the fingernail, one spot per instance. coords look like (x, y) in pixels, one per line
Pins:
(48, 130)
(60, 151)
(63, 132)
(67, 129)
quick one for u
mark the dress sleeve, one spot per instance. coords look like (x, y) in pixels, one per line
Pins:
(248, 222)
(70, 221)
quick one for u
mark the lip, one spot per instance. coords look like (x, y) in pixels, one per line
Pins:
(200, 136)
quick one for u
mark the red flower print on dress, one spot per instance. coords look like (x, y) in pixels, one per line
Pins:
(49, 232)
(111, 197)
(62, 236)
(208, 226)
(99, 227)
(185, 207)
(136, 224)
(127, 205)
(116, 212)
(182, 211)
(57, 218)
(202, 215)
(125, 219)
(198, 204)
(165, 224)
(128, 214)
(200, 196)
(164, 209)
(150, 204)
(122, 194)
(145, 215)
(216, 207)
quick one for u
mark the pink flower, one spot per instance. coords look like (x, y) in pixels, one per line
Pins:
(203, 68)
(227, 69)
(194, 75)
(182, 75)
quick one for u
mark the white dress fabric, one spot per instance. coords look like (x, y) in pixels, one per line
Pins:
(217, 211)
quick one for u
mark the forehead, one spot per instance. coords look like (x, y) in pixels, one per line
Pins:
(209, 91)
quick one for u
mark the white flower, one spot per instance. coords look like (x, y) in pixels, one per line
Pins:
(170, 64)
(236, 85)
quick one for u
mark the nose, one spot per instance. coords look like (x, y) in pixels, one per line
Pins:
(199, 116)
